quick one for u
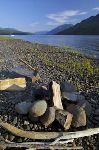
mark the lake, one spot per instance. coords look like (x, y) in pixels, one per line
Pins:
(87, 44)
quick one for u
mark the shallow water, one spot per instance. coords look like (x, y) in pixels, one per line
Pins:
(87, 44)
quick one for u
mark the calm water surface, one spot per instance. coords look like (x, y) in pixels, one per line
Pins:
(87, 44)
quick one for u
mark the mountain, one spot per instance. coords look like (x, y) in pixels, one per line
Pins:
(41, 32)
(10, 31)
(59, 29)
(89, 26)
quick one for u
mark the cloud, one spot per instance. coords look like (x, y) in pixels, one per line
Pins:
(54, 23)
(64, 16)
(34, 24)
(96, 8)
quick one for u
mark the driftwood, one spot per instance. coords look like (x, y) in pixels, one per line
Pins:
(35, 77)
(15, 84)
(64, 118)
(48, 135)
(55, 95)
(26, 64)
(38, 145)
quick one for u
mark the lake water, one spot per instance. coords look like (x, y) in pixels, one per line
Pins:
(87, 44)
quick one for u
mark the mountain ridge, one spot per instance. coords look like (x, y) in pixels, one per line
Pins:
(12, 31)
(89, 26)
(59, 28)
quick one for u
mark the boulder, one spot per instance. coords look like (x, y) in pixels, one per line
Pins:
(85, 105)
(79, 115)
(96, 112)
(23, 71)
(41, 92)
(64, 118)
(38, 108)
(23, 107)
(73, 96)
(67, 87)
(55, 95)
(49, 117)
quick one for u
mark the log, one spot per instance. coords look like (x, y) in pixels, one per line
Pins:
(55, 95)
(64, 118)
(38, 145)
(16, 84)
(48, 135)
(27, 64)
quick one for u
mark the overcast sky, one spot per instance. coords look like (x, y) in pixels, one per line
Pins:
(42, 15)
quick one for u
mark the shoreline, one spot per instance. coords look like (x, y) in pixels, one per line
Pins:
(53, 64)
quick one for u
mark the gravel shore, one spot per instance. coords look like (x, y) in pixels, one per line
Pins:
(53, 64)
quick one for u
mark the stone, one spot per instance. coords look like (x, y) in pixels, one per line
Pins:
(79, 115)
(64, 118)
(96, 112)
(55, 95)
(85, 105)
(16, 84)
(67, 87)
(23, 71)
(73, 96)
(32, 118)
(41, 92)
(23, 107)
(97, 118)
(38, 108)
(48, 117)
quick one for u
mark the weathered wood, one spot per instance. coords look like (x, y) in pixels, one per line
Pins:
(64, 118)
(26, 64)
(15, 84)
(55, 94)
(48, 135)
(38, 145)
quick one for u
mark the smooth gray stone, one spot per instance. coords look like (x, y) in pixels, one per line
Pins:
(23, 71)
(23, 107)
(38, 108)
(67, 87)
(73, 96)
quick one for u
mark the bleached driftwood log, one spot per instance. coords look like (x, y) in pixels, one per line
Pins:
(55, 95)
(37, 145)
(16, 84)
(48, 135)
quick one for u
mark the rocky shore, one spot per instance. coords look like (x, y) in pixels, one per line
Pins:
(55, 64)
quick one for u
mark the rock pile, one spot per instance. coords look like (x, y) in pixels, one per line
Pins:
(58, 102)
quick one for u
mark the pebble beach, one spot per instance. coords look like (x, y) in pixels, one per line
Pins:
(55, 64)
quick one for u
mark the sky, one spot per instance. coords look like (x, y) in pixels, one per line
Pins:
(44, 15)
